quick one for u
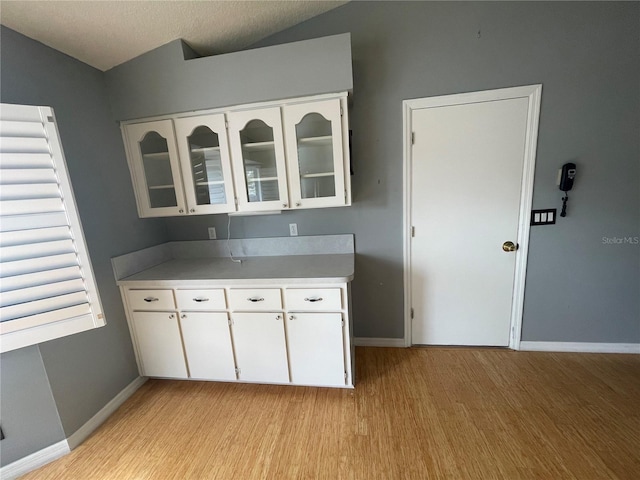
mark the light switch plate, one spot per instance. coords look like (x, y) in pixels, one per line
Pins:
(212, 233)
(293, 229)
(544, 217)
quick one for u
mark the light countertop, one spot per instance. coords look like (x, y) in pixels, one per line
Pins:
(284, 269)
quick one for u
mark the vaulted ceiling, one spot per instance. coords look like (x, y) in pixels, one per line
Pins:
(107, 33)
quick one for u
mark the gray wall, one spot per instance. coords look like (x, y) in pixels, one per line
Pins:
(30, 420)
(84, 371)
(586, 57)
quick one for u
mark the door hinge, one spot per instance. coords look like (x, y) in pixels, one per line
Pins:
(346, 376)
(226, 124)
(341, 112)
(238, 371)
(230, 322)
(342, 322)
(413, 231)
(412, 313)
(413, 138)
(235, 199)
(345, 195)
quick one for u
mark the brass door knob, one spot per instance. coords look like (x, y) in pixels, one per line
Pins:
(509, 246)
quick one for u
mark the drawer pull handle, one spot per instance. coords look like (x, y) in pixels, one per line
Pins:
(200, 299)
(255, 299)
(151, 299)
(313, 299)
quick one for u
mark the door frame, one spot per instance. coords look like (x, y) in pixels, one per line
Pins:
(533, 93)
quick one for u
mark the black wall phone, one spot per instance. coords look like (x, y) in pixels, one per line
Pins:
(565, 182)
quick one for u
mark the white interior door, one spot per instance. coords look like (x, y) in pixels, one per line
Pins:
(467, 164)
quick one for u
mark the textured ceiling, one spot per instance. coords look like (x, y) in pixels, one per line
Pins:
(107, 33)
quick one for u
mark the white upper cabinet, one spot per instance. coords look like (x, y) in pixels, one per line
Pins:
(257, 149)
(205, 162)
(265, 157)
(155, 168)
(315, 140)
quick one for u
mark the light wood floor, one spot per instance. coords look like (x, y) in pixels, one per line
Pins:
(419, 413)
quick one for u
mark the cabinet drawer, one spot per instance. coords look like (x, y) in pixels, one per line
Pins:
(201, 299)
(314, 299)
(255, 299)
(151, 299)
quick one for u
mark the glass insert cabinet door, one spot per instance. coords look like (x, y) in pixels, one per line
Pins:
(313, 133)
(257, 148)
(156, 169)
(206, 166)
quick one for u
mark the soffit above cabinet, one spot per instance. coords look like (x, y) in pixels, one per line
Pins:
(169, 80)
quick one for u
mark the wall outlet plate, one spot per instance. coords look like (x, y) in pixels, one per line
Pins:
(293, 229)
(212, 233)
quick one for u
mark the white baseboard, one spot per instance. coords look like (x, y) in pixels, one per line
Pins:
(60, 449)
(35, 460)
(378, 342)
(105, 412)
(580, 347)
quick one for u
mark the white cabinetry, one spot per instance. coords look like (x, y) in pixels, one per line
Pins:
(316, 348)
(192, 332)
(261, 350)
(257, 149)
(159, 344)
(205, 162)
(207, 345)
(272, 156)
(155, 168)
(317, 340)
(315, 154)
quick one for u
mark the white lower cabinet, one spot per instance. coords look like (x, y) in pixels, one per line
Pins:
(207, 346)
(316, 348)
(261, 350)
(271, 335)
(159, 344)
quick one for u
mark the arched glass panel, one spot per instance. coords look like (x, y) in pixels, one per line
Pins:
(315, 157)
(259, 160)
(206, 166)
(157, 171)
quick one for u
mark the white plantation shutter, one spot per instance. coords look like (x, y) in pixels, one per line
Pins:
(47, 289)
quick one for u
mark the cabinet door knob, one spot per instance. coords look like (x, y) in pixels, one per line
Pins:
(298, 204)
(291, 317)
(193, 210)
(278, 317)
(183, 316)
(181, 211)
(172, 316)
(284, 205)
